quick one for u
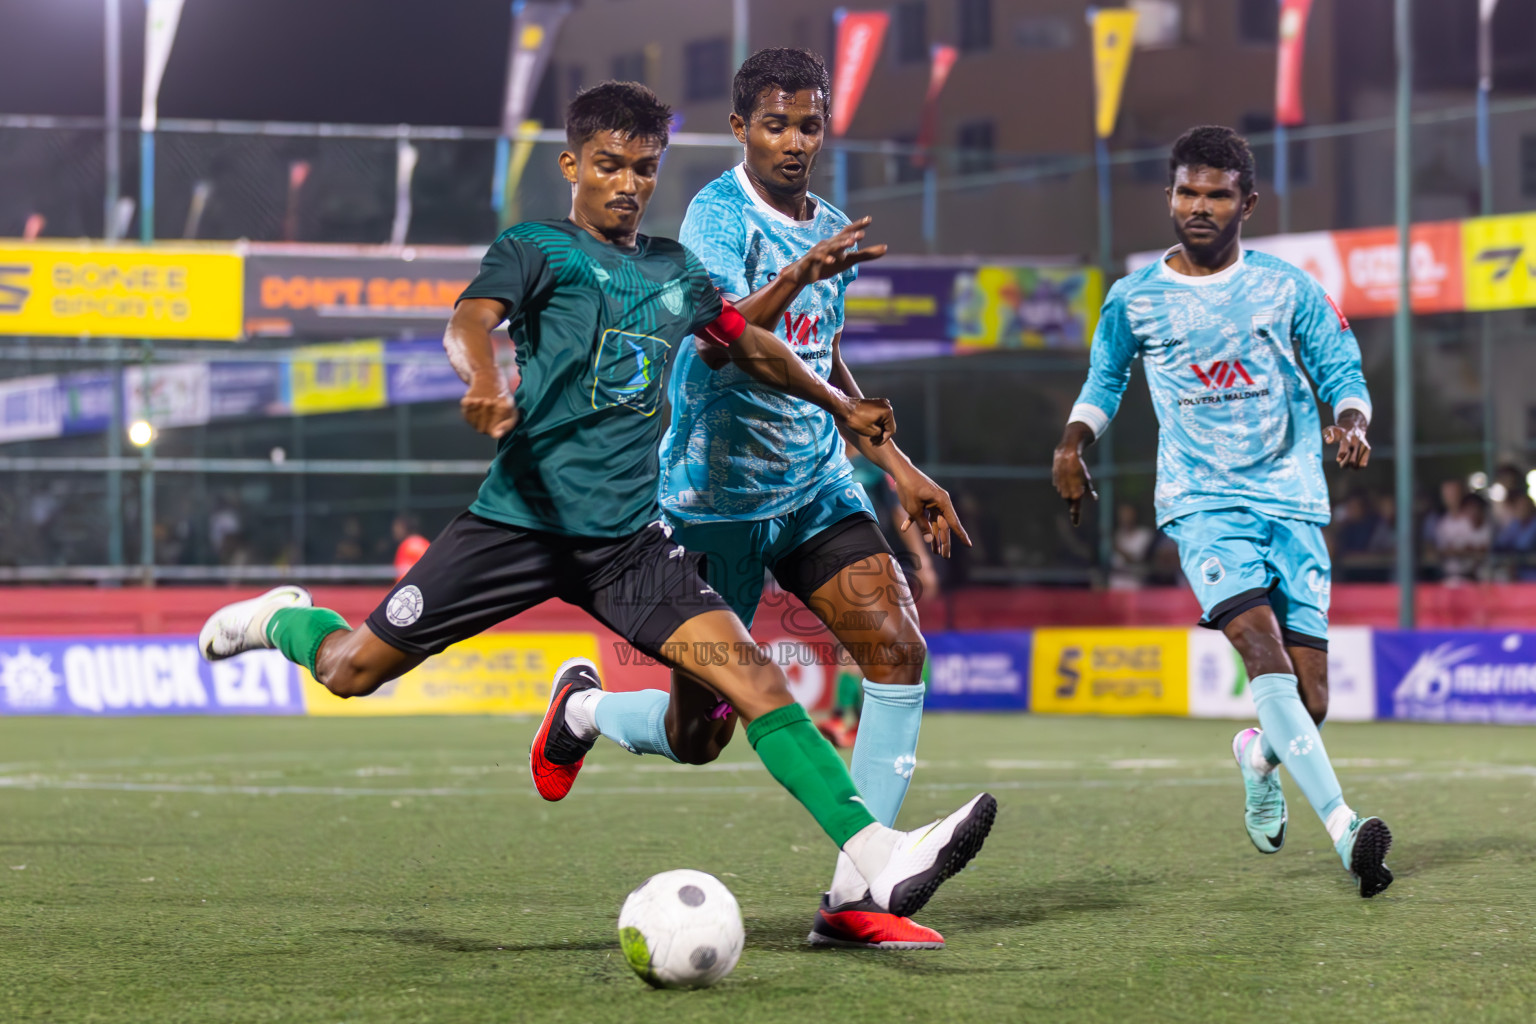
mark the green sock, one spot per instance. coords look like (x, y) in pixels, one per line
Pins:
(806, 765)
(298, 632)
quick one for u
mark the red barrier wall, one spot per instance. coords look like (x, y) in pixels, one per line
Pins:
(39, 611)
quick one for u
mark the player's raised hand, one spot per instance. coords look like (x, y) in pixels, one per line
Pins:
(929, 506)
(870, 417)
(832, 256)
(488, 406)
(1349, 435)
(1069, 475)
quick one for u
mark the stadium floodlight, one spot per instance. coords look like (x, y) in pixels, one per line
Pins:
(141, 432)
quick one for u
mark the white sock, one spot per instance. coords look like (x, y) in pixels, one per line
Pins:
(1338, 822)
(1256, 759)
(581, 713)
(848, 886)
(870, 848)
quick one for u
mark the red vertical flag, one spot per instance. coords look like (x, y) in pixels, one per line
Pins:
(859, 35)
(944, 58)
(1293, 39)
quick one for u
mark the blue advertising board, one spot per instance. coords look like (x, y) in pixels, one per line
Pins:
(1456, 676)
(979, 671)
(141, 675)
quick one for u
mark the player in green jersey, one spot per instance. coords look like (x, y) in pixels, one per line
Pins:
(569, 506)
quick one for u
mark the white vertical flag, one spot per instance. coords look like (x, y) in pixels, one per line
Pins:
(160, 23)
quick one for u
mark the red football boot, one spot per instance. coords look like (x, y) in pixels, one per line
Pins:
(863, 925)
(557, 752)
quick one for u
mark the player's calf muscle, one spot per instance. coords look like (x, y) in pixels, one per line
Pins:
(355, 663)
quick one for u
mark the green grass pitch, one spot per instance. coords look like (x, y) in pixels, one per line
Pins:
(403, 870)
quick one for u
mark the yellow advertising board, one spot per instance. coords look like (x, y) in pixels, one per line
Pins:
(1027, 307)
(1499, 255)
(1110, 672)
(120, 291)
(491, 674)
(338, 378)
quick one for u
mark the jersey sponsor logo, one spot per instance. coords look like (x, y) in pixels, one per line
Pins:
(1222, 374)
(628, 370)
(802, 328)
(404, 607)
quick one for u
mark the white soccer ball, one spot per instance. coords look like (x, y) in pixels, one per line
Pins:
(681, 929)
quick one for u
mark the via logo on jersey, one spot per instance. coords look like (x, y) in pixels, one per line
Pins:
(1222, 374)
(802, 328)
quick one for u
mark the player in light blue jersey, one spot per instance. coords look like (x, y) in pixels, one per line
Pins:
(1228, 340)
(752, 483)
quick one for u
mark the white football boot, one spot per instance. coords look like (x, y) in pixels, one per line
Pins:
(242, 626)
(922, 859)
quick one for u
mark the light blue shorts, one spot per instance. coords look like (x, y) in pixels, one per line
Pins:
(737, 553)
(1235, 559)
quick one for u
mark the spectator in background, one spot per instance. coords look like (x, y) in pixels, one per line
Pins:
(410, 545)
(1357, 526)
(1462, 540)
(1132, 546)
(349, 549)
(1451, 493)
(1517, 539)
(1505, 491)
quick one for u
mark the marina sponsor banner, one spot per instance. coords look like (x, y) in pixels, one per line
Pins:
(491, 674)
(247, 389)
(979, 671)
(1457, 676)
(324, 295)
(1110, 671)
(1218, 684)
(140, 675)
(120, 291)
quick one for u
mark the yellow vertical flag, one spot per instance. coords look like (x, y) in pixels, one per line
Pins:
(1114, 32)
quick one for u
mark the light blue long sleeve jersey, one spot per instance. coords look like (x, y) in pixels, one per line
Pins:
(1224, 356)
(737, 449)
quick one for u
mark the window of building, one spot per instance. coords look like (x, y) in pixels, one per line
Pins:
(1258, 22)
(975, 29)
(976, 140)
(629, 67)
(707, 69)
(912, 31)
(1528, 165)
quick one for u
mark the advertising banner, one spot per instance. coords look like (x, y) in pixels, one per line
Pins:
(336, 378)
(167, 395)
(978, 671)
(247, 389)
(1218, 685)
(140, 675)
(1026, 307)
(1110, 672)
(345, 296)
(534, 29)
(30, 407)
(419, 371)
(859, 35)
(491, 674)
(86, 399)
(1499, 256)
(1370, 261)
(119, 291)
(1457, 676)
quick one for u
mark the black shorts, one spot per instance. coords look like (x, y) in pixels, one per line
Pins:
(479, 572)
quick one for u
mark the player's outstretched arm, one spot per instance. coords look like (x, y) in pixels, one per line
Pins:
(1069, 474)
(487, 404)
(1349, 434)
(827, 258)
(762, 356)
(924, 501)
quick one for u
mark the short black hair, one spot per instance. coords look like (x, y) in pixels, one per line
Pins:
(1216, 146)
(628, 108)
(784, 66)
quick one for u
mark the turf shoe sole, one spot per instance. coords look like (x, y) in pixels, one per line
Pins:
(557, 753)
(242, 626)
(863, 925)
(1264, 812)
(1364, 851)
(924, 858)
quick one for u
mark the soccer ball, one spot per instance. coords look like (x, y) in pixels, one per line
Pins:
(681, 929)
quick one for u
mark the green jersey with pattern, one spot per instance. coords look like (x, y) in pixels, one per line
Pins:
(594, 326)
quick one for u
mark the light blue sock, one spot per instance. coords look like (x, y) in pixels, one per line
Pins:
(1297, 741)
(636, 721)
(885, 752)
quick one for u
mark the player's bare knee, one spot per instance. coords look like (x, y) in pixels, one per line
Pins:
(903, 660)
